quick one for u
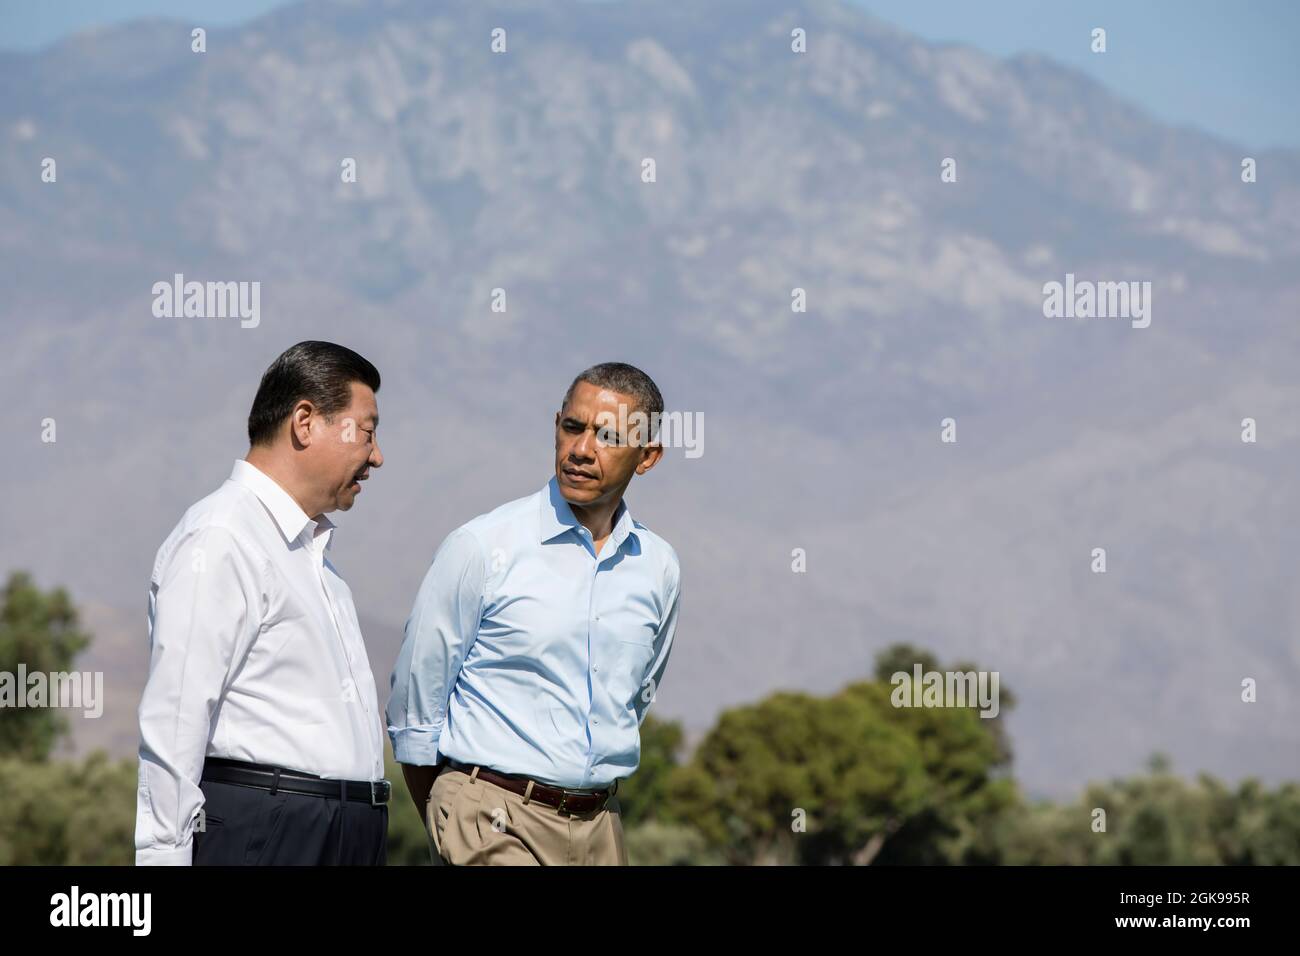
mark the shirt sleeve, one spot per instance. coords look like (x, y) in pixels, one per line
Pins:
(205, 608)
(667, 629)
(439, 633)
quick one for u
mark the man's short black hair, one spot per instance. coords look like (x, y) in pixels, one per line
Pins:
(320, 372)
(624, 379)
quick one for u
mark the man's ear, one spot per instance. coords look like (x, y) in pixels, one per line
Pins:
(650, 457)
(300, 422)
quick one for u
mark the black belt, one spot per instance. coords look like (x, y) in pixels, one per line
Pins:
(276, 779)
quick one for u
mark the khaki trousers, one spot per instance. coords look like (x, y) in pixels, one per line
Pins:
(472, 822)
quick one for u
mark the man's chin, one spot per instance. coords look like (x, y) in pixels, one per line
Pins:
(578, 494)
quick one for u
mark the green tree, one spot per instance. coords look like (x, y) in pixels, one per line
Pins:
(902, 658)
(1159, 819)
(64, 812)
(38, 630)
(848, 779)
(798, 778)
(669, 844)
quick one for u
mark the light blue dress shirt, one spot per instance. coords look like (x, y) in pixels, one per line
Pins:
(528, 653)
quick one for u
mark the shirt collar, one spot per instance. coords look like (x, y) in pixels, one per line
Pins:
(289, 517)
(557, 517)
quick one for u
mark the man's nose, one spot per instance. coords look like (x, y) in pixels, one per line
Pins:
(584, 446)
(376, 457)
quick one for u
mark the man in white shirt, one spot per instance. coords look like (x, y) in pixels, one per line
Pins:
(260, 735)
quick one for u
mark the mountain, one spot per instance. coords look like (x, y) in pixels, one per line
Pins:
(774, 171)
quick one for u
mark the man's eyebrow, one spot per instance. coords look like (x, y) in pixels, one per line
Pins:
(374, 421)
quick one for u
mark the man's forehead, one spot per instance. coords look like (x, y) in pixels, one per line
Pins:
(590, 400)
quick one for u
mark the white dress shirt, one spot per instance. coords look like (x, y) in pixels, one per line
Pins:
(255, 654)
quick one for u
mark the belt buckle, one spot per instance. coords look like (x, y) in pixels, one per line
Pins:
(565, 794)
(383, 787)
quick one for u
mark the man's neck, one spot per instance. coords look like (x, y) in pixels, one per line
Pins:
(597, 518)
(275, 468)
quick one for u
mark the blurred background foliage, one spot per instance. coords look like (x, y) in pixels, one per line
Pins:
(793, 779)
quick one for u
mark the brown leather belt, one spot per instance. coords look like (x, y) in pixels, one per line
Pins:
(565, 801)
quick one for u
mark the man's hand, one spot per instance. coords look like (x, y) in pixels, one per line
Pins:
(419, 781)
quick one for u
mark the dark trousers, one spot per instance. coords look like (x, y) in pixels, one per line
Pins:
(244, 826)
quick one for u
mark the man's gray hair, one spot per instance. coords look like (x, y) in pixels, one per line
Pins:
(626, 380)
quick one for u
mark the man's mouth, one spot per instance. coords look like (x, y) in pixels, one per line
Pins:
(577, 474)
(358, 478)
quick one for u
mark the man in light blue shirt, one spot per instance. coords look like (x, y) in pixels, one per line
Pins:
(536, 644)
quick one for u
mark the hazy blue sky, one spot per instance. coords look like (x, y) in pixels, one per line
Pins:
(1227, 67)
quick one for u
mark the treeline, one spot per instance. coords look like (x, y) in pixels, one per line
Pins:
(847, 779)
